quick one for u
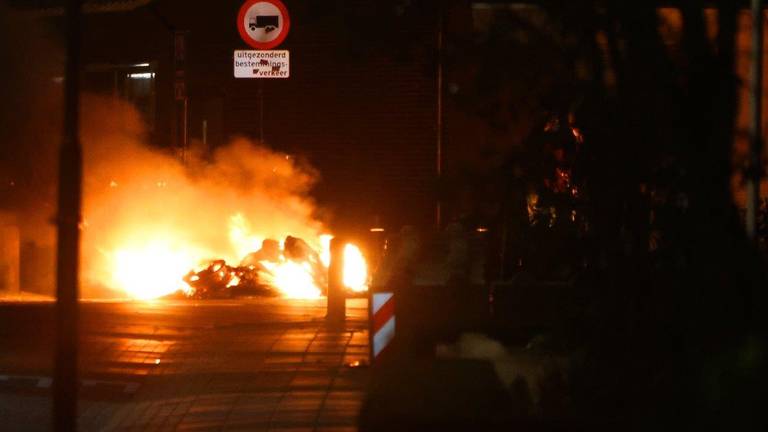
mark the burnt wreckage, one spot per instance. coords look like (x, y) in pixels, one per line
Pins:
(253, 275)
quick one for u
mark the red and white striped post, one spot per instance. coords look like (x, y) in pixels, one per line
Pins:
(382, 322)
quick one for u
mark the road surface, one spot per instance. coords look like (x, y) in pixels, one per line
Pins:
(251, 364)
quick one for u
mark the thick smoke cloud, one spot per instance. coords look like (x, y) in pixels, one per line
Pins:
(220, 204)
(137, 196)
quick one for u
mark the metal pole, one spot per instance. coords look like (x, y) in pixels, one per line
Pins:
(336, 297)
(755, 129)
(184, 129)
(261, 111)
(65, 380)
(205, 134)
(439, 120)
(181, 96)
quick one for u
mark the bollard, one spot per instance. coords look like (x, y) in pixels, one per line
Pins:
(336, 296)
(381, 321)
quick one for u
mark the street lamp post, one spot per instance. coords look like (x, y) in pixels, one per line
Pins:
(755, 123)
(65, 379)
(439, 115)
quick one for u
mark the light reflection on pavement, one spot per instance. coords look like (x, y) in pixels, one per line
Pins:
(254, 364)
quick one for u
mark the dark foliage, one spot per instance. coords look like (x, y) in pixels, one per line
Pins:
(673, 332)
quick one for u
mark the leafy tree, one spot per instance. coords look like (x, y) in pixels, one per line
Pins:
(677, 292)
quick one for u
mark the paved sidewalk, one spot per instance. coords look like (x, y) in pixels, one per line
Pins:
(275, 367)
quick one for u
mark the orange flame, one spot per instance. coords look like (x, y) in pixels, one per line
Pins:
(151, 270)
(156, 268)
(355, 269)
(294, 280)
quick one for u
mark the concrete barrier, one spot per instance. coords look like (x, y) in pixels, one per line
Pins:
(9, 257)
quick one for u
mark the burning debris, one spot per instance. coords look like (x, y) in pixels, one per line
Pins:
(211, 281)
(296, 271)
(146, 234)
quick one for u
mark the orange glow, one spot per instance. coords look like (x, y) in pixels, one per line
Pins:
(325, 249)
(151, 270)
(294, 280)
(156, 268)
(241, 237)
(355, 269)
(234, 282)
(155, 221)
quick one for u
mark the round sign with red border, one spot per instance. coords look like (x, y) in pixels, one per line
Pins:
(263, 24)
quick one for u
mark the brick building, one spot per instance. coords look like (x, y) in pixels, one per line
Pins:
(360, 105)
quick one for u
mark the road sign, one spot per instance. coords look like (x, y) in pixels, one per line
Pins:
(263, 24)
(262, 64)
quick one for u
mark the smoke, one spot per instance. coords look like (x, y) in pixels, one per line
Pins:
(222, 206)
(138, 200)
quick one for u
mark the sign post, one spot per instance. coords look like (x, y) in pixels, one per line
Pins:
(262, 24)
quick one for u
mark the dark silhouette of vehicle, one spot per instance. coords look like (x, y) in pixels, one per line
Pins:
(268, 22)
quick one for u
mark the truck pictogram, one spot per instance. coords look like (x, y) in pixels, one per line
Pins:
(269, 23)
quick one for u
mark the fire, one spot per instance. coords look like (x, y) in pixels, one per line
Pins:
(166, 264)
(294, 280)
(355, 269)
(325, 249)
(156, 220)
(241, 237)
(152, 270)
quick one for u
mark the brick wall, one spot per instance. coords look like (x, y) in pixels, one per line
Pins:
(364, 118)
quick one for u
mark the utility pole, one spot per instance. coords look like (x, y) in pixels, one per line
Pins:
(65, 379)
(755, 166)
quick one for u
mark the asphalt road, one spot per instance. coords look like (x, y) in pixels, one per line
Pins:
(250, 364)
